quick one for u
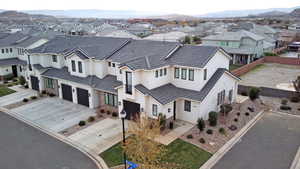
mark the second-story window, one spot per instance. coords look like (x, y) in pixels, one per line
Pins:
(113, 65)
(183, 74)
(54, 58)
(6, 50)
(156, 73)
(3, 50)
(11, 50)
(73, 66)
(79, 67)
(154, 109)
(176, 73)
(128, 83)
(191, 74)
(205, 74)
(109, 64)
(160, 72)
(165, 71)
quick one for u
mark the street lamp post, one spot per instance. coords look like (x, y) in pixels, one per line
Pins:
(123, 116)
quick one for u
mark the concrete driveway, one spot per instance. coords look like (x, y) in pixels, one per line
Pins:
(271, 144)
(54, 113)
(24, 147)
(100, 136)
(18, 96)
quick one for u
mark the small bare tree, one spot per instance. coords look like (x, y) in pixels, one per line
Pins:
(296, 84)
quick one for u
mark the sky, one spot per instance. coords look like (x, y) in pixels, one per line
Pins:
(188, 7)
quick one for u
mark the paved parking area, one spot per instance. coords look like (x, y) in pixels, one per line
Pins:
(24, 147)
(100, 136)
(54, 113)
(270, 75)
(271, 144)
(18, 96)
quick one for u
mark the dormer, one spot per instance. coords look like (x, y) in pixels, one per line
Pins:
(78, 63)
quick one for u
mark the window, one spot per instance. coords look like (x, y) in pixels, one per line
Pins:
(191, 74)
(110, 99)
(230, 95)
(6, 50)
(221, 97)
(176, 73)
(73, 66)
(113, 65)
(165, 71)
(49, 83)
(54, 58)
(120, 71)
(205, 74)
(20, 68)
(183, 74)
(154, 109)
(10, 50)
(156, 73)
(169, 110)
(187, 106)
(2, 50)
(109, 64)
(128, 83)
(29, 64)
(160, 72)
(79, 67)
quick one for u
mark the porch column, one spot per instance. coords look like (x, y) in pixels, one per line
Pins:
(248, 59)
(234, 59)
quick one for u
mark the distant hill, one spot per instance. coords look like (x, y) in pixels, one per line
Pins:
(18, 16)
(244, 13)
(272, 13)
(173, 17)
(295, 13)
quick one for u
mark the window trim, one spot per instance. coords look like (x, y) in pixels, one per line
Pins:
(183, 73)
(73, 65)
(176, 73)
(80, 70)
(154, 110)
(128, 87)
(111, 99)
(54, 58)
(187, 106)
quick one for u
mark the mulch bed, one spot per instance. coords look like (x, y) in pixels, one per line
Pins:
(213, 142)
(275, 104)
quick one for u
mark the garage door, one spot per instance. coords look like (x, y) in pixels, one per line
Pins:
(66, 92)
(132, 109)
(83, 97)
(34, 83)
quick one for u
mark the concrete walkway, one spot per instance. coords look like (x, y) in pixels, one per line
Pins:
(175, 133)
(18, 96)
(100, 136)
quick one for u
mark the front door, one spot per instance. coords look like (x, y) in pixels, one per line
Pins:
(174, 110)
(14, 70)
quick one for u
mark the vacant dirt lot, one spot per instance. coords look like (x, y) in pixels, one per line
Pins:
(269, 75)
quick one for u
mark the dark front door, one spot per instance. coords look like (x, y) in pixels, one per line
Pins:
(34, 83)
(174, 110)
(14, 70)
(132, 109)
(83, 97)
(67, 92)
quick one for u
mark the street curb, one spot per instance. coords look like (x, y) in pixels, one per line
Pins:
(224, 149)
(285, 114)
(93, 156)
(296, 161)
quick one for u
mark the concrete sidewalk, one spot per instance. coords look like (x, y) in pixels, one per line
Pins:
(18, 96)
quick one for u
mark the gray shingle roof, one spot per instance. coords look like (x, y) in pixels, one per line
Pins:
(18, 39)
(108, 83)
(97, 47)
(12, 61)
(168, 93)
(234, 36)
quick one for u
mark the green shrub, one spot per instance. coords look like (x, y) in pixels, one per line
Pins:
(244, 93)
(91, 119)
(213, 118)
(8, 77)
(225, 108)
(209, 131)
(26, 86)
(200, 124)
(295, 99)
(236, 119)
(81, 123)
(51, 94)
(108, 112)
(284, 101)
(190, 136)
(9, 85)
(44, 92)
(22, 80)
(114, 114)
(247, 114)
(254, 93)
(270, 54)
(222, 131)
(25, 100)
(33, 97)
(162, 121)
(285, 107)
(202, 140)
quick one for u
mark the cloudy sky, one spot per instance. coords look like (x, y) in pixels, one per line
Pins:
(166, 6)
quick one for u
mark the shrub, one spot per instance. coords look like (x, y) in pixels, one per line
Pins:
(209, 131)
(114, 114)
(236, 120)
(108, 112)
(91, 119)
(222, 131)
(33, 97)
(244, 94)
(254, 93)
(22, 80)
(200, 124)
(171, 125)
(25, 100)
(5, 82)
(102, 111)
(270, 54)
(44, 92)
(202, 140)
(247, 114)
(51, 94)
(10, 85)
(238, 113)
(81, 123)
(285, 107)
(232, 127)
(99, 115)
(162, 121)
(226, 108)
(26, 86)
(295, 99)
(15, 80)
(284, 102)
(213, 118)
(190, 136)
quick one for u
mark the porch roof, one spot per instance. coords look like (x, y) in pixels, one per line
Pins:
(168, 93)
(107, 84)
(12, 61)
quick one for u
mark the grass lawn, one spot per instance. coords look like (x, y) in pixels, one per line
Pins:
(234, 66)
(178, 152)
(5, 90)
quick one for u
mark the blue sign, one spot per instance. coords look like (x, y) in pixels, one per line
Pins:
(132, 165)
